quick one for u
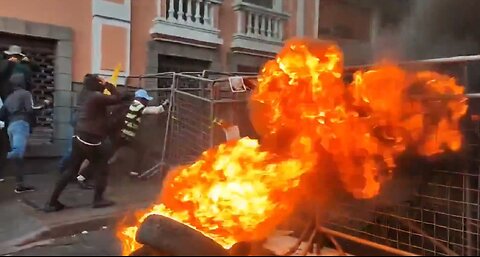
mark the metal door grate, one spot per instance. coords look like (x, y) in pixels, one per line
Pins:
(41, 52)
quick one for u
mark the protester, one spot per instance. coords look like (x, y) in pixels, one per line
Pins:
(90, 133)
(15, 62)
(131, 124)
(18, 111)
(66, 160)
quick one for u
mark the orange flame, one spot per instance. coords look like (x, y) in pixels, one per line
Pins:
(230, 194)
(305, 113)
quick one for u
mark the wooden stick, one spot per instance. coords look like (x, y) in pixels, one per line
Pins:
(294, 248)
(358, 240)
(338, 247)
(309, 243)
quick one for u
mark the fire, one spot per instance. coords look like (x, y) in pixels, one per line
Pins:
(306, 113)
(233, 193)
(363, 125)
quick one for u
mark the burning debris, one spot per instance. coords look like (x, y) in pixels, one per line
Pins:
(314, 130)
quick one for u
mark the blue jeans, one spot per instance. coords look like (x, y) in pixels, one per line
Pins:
(18, 133)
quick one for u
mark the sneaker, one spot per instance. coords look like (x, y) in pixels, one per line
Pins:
(58, 206)
(85, 186)
(103, 203)
(2, 180)
(24, 189)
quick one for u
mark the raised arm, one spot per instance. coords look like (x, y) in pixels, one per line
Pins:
(29, 105)
(156, 109)
(153, 109)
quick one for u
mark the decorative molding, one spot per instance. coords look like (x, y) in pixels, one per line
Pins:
(159, 8)
(209, 35)
(114, 14)
(256, 44)
(239, 5)
(265, 34)
(112, 10)
(300, 18)
(317, 18)
(188, 29)
(97, 25)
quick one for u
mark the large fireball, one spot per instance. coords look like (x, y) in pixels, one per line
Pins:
(307, 116)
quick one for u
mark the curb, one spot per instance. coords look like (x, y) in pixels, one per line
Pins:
(45, 234)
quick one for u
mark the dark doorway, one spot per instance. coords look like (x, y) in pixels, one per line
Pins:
(41, 52)
(168, 63)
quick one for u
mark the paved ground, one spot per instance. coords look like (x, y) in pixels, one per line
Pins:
(21, 221)
(101, 242)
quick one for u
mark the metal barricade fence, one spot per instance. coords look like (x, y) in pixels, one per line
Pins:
(198, 101)
(442, 215)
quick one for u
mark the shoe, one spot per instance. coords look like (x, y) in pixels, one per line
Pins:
(85, 186)
(24, 189)
(103, 203)
(58, 206)
(2, 180)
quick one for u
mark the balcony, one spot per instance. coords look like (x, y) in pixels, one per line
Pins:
(259, 28)
(193, 21)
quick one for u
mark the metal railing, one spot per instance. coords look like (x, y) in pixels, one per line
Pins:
(198, 100)
(441, 216)
(190, 12)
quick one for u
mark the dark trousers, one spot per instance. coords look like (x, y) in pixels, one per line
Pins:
(137, 150)
(97, 156)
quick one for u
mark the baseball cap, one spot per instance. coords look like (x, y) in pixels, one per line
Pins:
(141, 93)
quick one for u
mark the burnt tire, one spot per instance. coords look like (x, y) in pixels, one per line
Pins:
(167, 235)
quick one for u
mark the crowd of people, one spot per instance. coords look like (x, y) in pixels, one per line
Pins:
(103, 123)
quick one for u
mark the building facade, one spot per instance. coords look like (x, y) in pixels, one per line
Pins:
(70, 38)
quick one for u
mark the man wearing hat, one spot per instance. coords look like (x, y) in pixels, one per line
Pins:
(132, 122)
(15, 62)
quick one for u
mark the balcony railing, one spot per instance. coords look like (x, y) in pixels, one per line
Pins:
(191, 12)
(190, 19)
(262, 26)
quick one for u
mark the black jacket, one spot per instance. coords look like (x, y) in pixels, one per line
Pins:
(19, 105)
(92, 114)
(6, 70)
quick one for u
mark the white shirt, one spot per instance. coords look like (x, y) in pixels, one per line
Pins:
(153, 110)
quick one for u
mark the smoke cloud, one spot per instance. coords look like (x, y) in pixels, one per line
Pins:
(433, 29)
